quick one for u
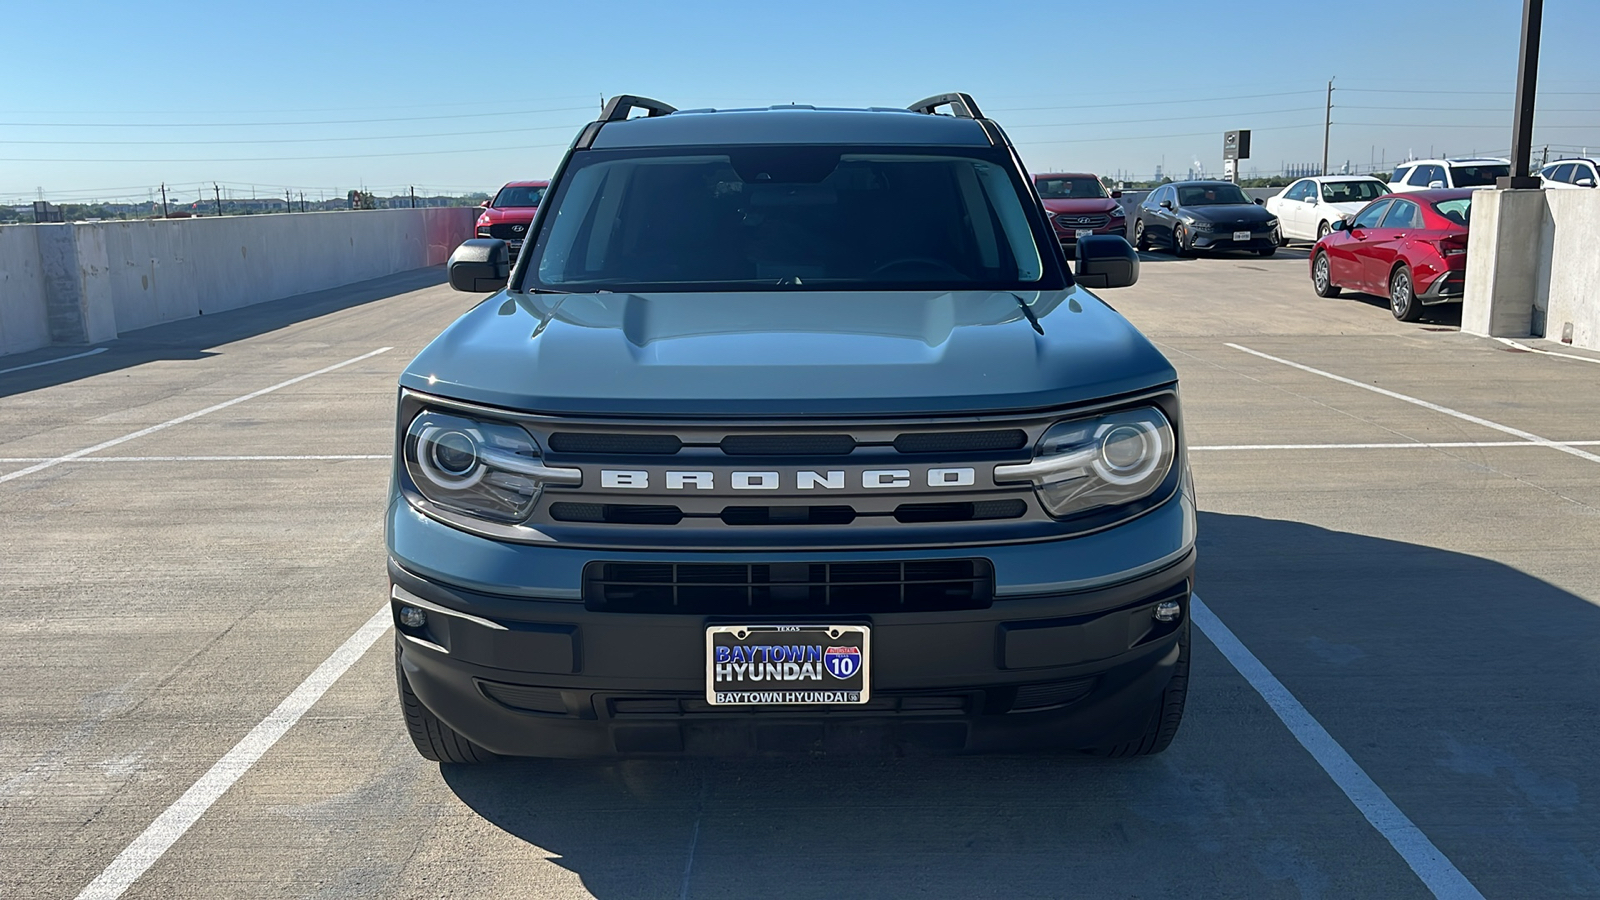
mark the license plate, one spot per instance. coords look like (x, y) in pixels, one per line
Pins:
(1241, 235)
(1083, 233)
(787, 665)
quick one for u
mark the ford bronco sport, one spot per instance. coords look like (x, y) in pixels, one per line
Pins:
(790, 430)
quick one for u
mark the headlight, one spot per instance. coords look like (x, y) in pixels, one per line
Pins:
(1108, 460)
(490, 470)
(1198, 224)
(483, 231)
(1272, 223)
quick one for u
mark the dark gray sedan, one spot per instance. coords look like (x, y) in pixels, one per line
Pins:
(1204, 215)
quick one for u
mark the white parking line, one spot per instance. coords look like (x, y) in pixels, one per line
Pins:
(1434, 445)
(155, 840)
(1433, 867)
(1510, 343)
(140, 459)
(51, 362)
(1466, 417)
(77, 454)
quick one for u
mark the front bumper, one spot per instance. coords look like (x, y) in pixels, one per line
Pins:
(1066, 669)
(1069, 236)
(1223, 240)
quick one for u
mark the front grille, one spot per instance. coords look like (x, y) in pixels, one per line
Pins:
(960, 441)
(615, 444)
(507, 231)
(788, 515)
(960, 512)
(788, 444)
(1073, 220)
(617, 513)
(1051, 694)
(683, 705)
(788, 588)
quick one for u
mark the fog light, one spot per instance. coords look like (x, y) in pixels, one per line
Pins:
(1166, 611)
(411, 617)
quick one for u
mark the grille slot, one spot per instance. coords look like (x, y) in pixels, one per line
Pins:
(1083, 220)
(616, 444)
(1051, 694)
(684, 705)
(518, 696)
(960, 512)
(788, 444)
(960, 441)
(616, 513)
(788, 515)
(733, 588)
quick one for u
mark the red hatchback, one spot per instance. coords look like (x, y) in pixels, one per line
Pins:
(1411, 248)
(509, 213)
(1079, 206)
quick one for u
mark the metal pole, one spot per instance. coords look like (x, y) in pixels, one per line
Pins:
(219, 198)
(1327, 125)
(164, 200)
(1527, 85)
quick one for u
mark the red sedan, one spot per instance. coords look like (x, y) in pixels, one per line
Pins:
(1078, 204)
(1411, 248)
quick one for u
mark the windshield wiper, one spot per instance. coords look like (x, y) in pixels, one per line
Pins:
(1027, 311)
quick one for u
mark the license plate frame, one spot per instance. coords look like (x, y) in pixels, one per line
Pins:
(1082, 233)
(1240, 236)
(822, 687)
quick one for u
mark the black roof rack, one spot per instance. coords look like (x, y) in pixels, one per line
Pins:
(962, 106)
(618, 107)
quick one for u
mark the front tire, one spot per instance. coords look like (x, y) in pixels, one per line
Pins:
(1323, 229)
(1167, 714)
(1267, 251)
(1180, 242)
(1322, 277)
(434, 739)
(1403, 295)
(1141, 240)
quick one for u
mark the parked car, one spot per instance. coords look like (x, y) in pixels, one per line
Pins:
(1307, 209)
(1410, 248)
(796, 433)
(1579, 172)
(1204, 215)
(1433, 174)
(509, 214)
(1079, 206)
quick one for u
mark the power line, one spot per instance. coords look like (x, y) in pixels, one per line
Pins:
(1151, 137)
(376, 137)
(289, 158)
(514, 112)
(1229, 115)
(1151, 102)
(168, 112)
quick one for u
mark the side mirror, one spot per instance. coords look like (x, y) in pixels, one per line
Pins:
(1166, 204)
(484, 205)
(1260, 202)
(1116, 195)
(1584, 182)
(1339, 225)
(1106, 261)
(1435, 184)
(480, 266)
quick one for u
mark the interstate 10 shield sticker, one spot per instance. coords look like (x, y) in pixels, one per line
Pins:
(763, 665)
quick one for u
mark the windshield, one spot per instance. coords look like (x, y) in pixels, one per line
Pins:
(1210, 195)
(1457, 211)
(1478, 176)
(1051, 188)
(1353, 191)
(518, 196)
(785, 218)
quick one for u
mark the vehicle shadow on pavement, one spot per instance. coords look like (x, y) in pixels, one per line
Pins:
(193, 338)
(1463, 686)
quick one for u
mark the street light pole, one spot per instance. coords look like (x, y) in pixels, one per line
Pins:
(1522, 121)
(1327, 125)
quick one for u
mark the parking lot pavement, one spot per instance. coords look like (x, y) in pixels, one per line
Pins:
(1406, 563)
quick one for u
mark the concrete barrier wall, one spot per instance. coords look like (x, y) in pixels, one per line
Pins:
(1532, 267)
(23, 323)
(89, 282)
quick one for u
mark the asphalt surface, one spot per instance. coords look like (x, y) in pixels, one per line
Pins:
(1433, 608)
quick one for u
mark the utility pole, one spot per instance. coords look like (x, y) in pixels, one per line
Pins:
(218, 190)
(1522, 120)
(288, 201)
(163, 200)
(413, 196)
(1327, 125)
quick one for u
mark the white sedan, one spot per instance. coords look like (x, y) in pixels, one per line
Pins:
(1307, 209)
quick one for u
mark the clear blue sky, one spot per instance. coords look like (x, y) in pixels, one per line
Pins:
(106, 100)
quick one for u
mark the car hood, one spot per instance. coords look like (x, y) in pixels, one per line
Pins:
(512, 214)
(1345, 210)
(787, 354)
(1229, 214)
(1094, 205)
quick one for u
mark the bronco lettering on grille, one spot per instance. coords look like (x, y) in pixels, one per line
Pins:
(805, 480)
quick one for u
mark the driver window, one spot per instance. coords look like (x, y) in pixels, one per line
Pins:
(1370, 216)
(1301, 191)
(1563, 173)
